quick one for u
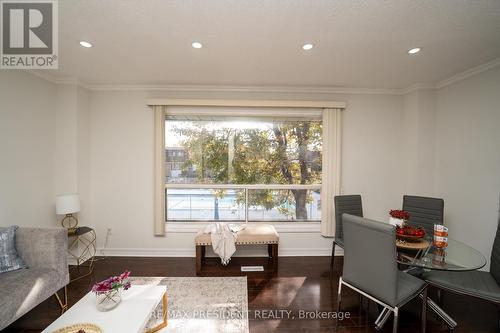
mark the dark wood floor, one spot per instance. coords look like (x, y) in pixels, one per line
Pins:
(302, 283)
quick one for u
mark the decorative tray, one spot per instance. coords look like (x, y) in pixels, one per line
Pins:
(80, 328)
(410, 238)
(420, 244)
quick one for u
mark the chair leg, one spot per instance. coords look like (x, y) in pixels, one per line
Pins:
(395, 324)
(332, 261)
(439, 300)
(424, 310)
(62, 305)
(339, 301)
(497, 306)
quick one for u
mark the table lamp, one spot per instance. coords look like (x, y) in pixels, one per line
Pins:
(68, 204)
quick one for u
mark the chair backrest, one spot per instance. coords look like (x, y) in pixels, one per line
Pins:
(495, 255)
(349, 204)
(424, 211)
(370, 257)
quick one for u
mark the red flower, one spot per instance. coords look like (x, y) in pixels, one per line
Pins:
(113, 283)
(125, 275)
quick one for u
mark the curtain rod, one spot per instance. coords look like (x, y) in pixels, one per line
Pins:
(246, 103)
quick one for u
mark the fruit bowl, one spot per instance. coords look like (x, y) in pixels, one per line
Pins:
(409, 233)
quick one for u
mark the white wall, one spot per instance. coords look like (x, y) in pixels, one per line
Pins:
(419, 118)
(44, 148)
(371, 149)
(83, 155)
(27, 137)
(444, 143)
(468, 157)
(121, 163)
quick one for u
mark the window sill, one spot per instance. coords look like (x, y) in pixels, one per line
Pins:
(281, 227)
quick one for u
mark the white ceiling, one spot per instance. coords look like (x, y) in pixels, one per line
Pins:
(258, 42)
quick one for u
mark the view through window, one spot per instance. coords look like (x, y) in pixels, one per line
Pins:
(242, 169)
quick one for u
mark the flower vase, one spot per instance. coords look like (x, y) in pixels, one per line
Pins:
(396, 222)
(108, 300)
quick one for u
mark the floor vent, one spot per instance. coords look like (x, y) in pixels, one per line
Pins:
(252, 268)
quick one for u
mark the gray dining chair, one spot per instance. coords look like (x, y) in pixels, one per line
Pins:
(350, 204)
(478, 284)
(424, 211)
(370, 267)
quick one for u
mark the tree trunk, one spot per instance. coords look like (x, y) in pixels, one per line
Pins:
(300, 204)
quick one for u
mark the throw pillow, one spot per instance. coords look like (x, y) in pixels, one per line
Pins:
(9, 259)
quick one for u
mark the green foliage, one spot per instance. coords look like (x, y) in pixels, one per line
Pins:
(280, 153)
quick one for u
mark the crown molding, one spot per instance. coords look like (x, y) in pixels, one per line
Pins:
(56, 80)
(246, 89)
(268, 89)
(42, 75)
(417, 87)
(468, 73)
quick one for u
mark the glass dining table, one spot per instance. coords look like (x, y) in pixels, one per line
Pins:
(457, 256)
(422, 256)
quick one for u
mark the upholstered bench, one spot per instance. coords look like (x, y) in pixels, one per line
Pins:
(252, 234)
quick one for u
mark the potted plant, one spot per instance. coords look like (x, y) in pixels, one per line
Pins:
(108, 292)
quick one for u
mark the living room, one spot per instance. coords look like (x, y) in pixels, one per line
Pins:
(250, 158)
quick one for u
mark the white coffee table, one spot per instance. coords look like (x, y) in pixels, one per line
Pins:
(131, 315)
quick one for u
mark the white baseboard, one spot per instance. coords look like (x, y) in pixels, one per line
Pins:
(190, 252)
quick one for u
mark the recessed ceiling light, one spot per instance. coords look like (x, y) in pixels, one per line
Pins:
(307, 46)
(85, 44)
(197, 45)
(414, 50)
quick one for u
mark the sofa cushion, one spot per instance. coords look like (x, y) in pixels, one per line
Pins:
(9, 259)
(23, 289)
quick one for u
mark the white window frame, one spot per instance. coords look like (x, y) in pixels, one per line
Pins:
(330, 113)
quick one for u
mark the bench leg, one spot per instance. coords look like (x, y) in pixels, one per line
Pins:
(273, 255)
(200, 253)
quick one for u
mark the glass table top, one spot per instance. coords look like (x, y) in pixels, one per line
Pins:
(457, 256)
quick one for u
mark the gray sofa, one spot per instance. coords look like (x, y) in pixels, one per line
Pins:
(45, 253)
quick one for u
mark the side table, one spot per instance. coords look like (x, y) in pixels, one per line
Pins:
(82, 248)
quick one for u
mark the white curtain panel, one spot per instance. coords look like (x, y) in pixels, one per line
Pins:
(159, 169)
(331, 176)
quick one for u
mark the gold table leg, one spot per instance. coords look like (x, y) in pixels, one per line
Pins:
(62, 305)
(165, 319)
(88, 241)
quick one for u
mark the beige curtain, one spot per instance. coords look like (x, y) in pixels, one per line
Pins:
(332, 145)
(159, 170)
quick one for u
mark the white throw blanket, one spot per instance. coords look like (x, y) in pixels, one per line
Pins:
(223, 239)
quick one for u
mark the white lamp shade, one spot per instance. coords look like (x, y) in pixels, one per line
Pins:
(67, 203)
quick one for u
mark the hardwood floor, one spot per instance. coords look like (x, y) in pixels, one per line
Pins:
(301, 284)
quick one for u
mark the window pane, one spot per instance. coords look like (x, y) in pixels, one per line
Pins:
(257, 151)
(281, 205)
(242, 151)
(205, 204)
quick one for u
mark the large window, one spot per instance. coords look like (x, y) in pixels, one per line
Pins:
(244, 168)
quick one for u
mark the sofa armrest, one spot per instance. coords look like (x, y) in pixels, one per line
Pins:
(44, 248)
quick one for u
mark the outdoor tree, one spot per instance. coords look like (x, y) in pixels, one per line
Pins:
(277, 153)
